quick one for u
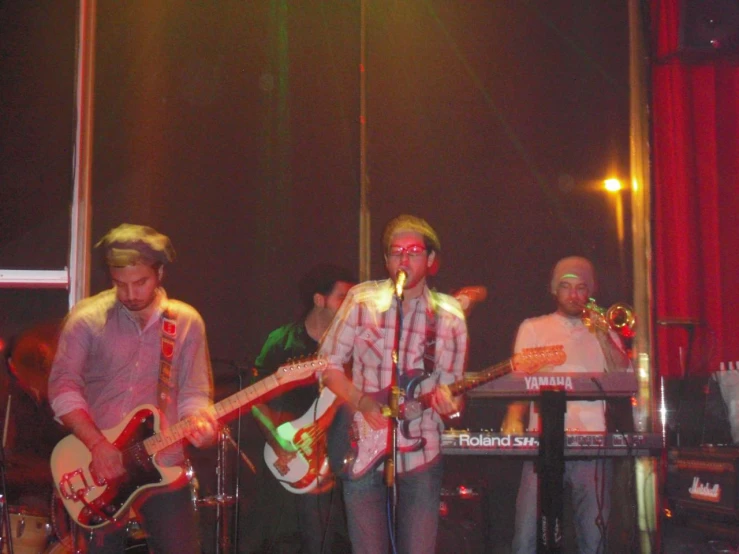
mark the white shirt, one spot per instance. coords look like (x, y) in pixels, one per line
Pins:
(584, 355)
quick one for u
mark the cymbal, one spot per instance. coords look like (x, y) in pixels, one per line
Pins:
(31, 356)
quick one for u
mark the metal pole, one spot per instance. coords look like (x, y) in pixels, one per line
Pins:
(79, 253)
(364, 203)
(646, 481)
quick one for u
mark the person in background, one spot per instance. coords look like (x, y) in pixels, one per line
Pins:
(594, 349)
(280, 520)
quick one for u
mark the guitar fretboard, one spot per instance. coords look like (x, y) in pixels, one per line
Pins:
(284, 374)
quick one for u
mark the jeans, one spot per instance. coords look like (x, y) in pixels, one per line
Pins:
(368, 515)
(590, 482)
(278, 521)
(321, 521)
(170, 522)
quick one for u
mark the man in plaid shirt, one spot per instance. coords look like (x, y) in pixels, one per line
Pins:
(432, 339)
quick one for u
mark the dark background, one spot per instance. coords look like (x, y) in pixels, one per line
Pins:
(232, 126)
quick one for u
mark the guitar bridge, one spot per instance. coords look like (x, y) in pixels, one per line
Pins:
(68, 489)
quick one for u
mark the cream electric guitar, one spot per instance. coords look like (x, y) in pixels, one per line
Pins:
(93, 503)
(353, 446)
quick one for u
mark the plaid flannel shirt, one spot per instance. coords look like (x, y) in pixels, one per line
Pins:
(363, 335)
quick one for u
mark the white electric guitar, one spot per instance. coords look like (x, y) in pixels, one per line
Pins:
(306, 469)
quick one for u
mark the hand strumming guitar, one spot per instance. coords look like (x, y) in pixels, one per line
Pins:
(107, 461)
(371, 411)
(284, 449)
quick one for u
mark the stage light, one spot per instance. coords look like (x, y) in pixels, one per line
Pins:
(613, 185)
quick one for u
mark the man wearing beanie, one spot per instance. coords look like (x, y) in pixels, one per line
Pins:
(431, 332)
(590, 349)
(124, 347)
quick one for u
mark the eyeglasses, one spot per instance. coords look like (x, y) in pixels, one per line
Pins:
(414, 251)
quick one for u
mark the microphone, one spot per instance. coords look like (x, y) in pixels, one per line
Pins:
(680, 322)
(400, 283)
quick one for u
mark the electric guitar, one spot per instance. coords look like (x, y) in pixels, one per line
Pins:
(353, 447)
(306, 468)
(92, 502)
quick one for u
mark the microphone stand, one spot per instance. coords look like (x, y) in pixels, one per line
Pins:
(221, 498)
(237, 480)
(393, 406)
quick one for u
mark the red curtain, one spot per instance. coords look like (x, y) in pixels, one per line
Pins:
(695, 156)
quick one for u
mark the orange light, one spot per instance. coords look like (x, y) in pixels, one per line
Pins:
(612, 185)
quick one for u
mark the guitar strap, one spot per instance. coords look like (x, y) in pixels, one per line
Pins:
(429, 354)
(166, 378)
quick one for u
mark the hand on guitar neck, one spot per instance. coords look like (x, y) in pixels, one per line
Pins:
(445, 403)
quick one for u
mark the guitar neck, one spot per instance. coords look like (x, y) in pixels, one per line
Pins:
(179, 430)
(472, 380)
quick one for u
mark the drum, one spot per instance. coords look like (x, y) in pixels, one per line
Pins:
(30, 531)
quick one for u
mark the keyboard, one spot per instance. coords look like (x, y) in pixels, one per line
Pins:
(577, 444)
(576, 385)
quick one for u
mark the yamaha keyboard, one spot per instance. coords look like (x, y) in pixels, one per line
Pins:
(586, 386)
(577, 445)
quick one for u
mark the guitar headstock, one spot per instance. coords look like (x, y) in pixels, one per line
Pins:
(532, 360)
(299, 370)
(469, 296)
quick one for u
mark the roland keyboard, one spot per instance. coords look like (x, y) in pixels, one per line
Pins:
(577, 445)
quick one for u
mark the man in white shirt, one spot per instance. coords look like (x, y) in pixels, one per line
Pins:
(592, 349)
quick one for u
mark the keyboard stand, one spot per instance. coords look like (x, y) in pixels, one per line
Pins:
(550, 467)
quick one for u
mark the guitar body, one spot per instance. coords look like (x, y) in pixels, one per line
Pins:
(308, 469)
(355, 448)
(92, 504)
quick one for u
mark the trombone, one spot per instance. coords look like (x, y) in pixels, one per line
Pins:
(619, 318)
